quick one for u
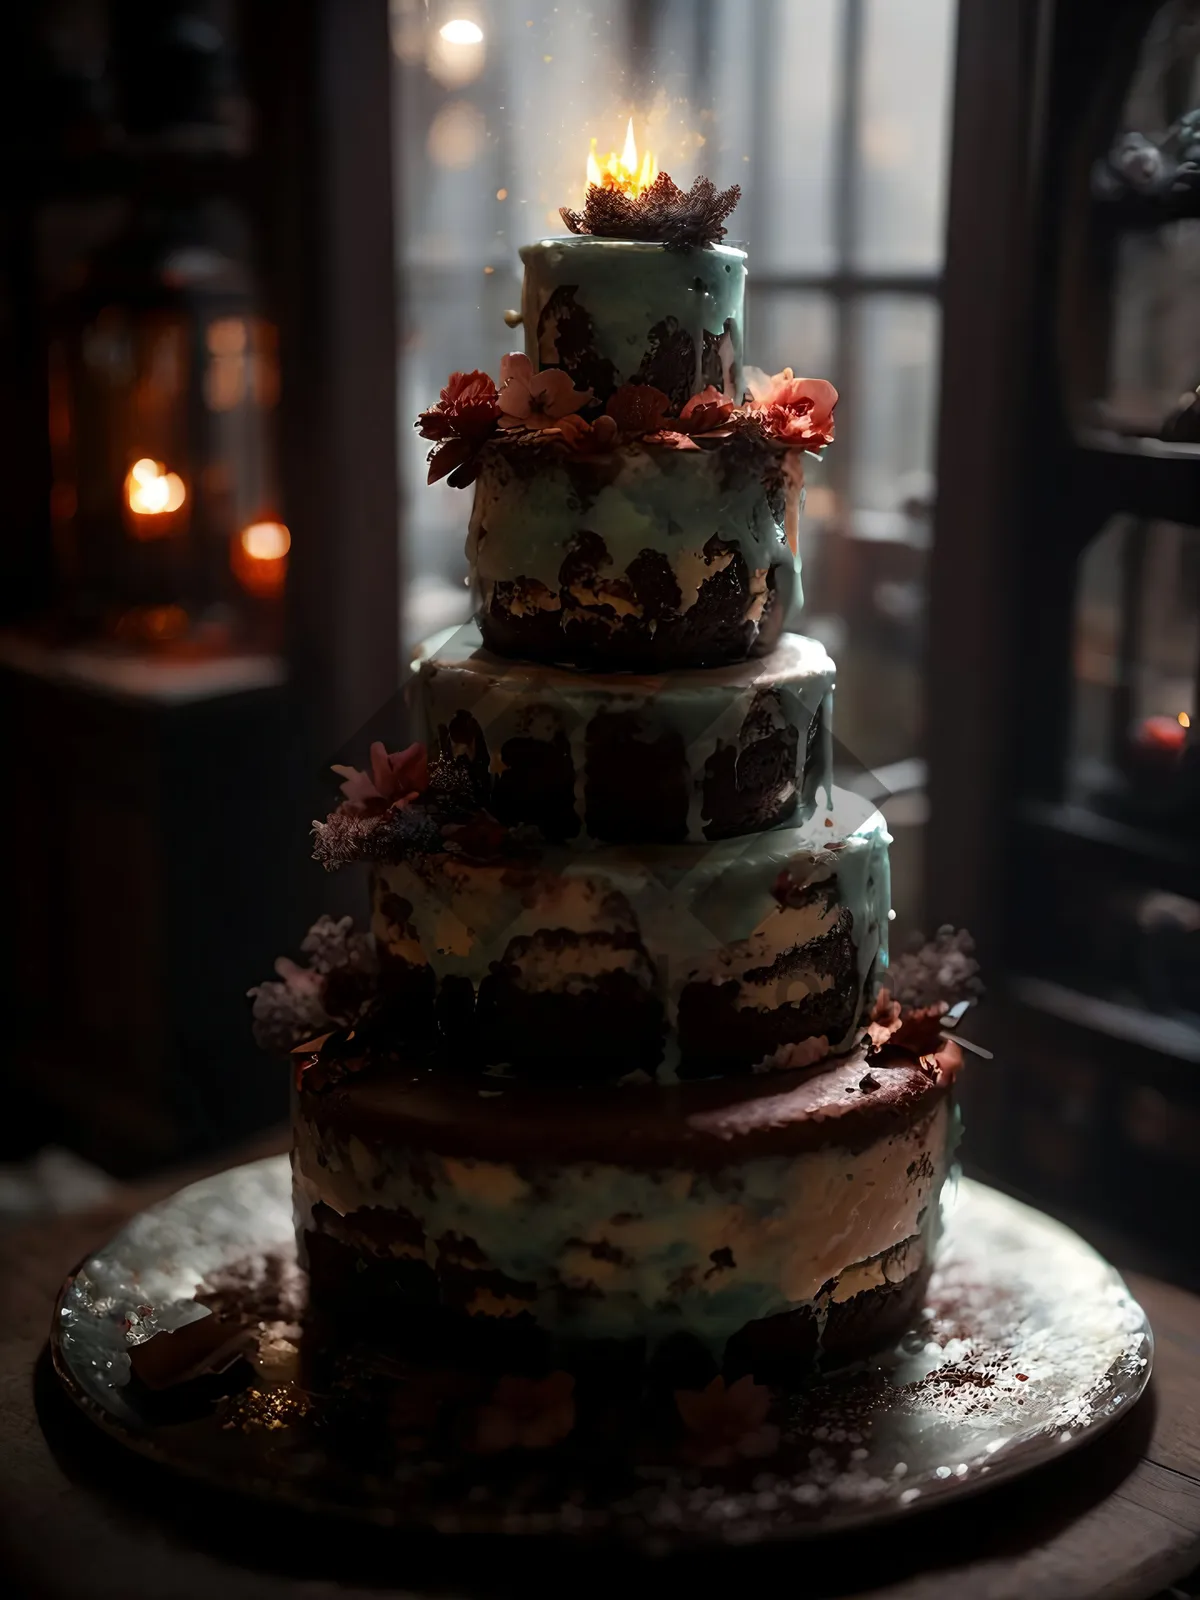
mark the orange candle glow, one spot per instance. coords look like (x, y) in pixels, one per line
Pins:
(259, 558)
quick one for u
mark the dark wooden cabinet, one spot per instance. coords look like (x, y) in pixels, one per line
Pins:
(1065, 605)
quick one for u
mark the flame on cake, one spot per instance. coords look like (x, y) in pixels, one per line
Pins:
(623, 172)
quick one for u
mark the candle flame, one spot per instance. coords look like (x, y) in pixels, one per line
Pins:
(266, 541)
(258, 556)
(151, 490)
(623, 172)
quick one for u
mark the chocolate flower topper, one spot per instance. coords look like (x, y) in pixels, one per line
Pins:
(677, 218)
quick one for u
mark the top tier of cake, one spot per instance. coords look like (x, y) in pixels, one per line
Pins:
(614, 311)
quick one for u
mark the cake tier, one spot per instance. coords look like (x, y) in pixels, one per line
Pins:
(688, 756)
(765, 1218)
(703, 958)
(646, 558)
(613, 311)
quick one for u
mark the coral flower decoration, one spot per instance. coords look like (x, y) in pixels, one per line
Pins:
(795, 411)
(536, 400)
(396, 778)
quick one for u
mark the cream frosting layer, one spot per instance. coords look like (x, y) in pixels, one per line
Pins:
(463, 694)
(627, 289)
(526, 525)
(603, 1251)
(674, 915)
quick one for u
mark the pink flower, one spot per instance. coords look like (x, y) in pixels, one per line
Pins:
(795, 411)
(726, 1424)
(526, 1414)
(536, 400)
(396, 778)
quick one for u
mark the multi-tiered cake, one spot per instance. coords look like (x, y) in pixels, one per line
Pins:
(614, 1065)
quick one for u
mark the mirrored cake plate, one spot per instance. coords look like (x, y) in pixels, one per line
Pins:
(1029, 1345)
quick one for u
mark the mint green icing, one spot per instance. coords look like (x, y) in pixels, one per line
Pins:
(671, 502)
(628, 287)
(706, 708)
(796, 1230)
(701, 912)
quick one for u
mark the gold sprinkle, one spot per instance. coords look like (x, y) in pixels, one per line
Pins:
(501, 194)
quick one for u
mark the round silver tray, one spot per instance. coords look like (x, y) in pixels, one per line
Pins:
(1030, 1343)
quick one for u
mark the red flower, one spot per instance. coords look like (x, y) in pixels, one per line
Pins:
(466, 409)
(794, 411)
(705, 411)
(638, 408)
(588, 438)
(396, 779)
(462, 421)
(725, 1424)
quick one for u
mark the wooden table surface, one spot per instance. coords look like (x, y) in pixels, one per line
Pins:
(1118, 1520)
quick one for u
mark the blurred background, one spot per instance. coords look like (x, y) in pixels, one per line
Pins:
(242, 243)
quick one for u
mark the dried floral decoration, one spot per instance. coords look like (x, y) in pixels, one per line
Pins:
(396, 778)
(406, 806)
(534, 409)
(726, 1424)
(332, 991)
(924, 985)
(793, 411)
(942, 968)
(526, 1414)
(461, 423)
(680, 219)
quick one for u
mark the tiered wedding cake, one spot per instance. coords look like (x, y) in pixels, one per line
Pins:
(614, 1066)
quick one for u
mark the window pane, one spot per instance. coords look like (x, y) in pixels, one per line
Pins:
(893, 415)
(902, 134)
(799, 39)
(789, 328)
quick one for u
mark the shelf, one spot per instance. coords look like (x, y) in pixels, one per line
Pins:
(1126, 1024)
(146, 680)
(1142, 446)
(1172, 861)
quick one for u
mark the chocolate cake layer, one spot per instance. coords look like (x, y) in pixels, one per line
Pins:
(613, 311)
(751, 1220)
(645, 559)
(668, 759)
(699, 959)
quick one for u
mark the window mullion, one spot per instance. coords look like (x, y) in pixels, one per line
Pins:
(845, 189)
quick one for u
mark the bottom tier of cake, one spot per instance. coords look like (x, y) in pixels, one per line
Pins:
(778, 1222)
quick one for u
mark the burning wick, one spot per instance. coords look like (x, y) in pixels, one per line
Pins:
(622, 172)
